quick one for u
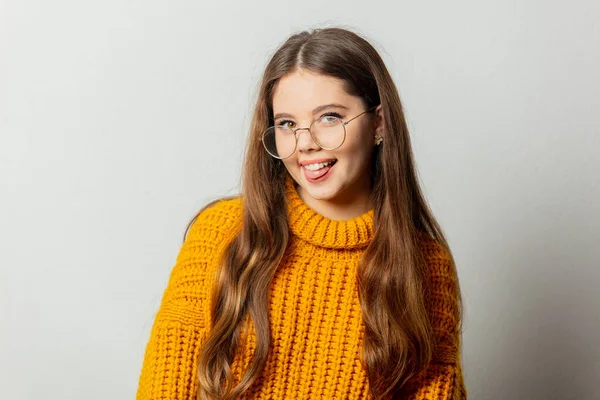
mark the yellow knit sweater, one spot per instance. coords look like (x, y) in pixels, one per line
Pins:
(314, 312)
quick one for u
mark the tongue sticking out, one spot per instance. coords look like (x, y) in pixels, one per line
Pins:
(318, 173)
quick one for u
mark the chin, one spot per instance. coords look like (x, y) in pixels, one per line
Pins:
(327, 191)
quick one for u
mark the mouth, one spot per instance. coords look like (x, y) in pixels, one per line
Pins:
(318, 171)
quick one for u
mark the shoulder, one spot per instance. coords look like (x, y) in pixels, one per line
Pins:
(216, 222)
(208, 234)
(433, 251)
(191, 279)
(440, 270)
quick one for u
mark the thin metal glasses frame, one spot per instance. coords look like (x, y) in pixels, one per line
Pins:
(344, 123)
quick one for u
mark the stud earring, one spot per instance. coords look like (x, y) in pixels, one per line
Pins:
(378, 140)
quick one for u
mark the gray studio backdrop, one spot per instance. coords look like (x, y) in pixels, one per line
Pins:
(120, 118)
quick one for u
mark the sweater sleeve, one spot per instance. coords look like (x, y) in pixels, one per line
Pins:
(169, 369)
(443, 378)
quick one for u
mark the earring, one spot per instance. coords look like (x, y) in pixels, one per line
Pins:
(378, 140)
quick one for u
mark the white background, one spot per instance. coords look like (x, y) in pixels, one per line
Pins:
(119, 119)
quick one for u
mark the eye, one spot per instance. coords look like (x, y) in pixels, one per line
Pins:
(283, 123)
(330, 117)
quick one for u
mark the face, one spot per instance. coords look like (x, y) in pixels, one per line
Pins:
(297, 95)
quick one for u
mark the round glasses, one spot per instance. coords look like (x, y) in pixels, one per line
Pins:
(328, 132)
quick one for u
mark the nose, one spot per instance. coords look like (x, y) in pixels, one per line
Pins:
(305, 141)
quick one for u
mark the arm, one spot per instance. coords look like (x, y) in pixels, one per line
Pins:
(440, 382)
(443, 378)
(170, 365)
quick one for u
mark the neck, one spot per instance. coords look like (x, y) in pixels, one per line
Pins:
(319, 230)
(349, 204)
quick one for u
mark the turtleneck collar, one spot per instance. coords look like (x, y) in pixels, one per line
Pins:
(321, 231)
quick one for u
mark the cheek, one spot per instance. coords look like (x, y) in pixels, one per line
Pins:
(355, 151)
(291, 164)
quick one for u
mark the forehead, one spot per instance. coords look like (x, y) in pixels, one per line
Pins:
(303, 90)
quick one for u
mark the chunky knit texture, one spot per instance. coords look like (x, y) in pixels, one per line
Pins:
(315, 316)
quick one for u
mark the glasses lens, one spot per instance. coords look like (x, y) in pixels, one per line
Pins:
(279, 141)
(328, 132)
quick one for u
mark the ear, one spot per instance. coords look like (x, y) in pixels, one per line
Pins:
(379, 122)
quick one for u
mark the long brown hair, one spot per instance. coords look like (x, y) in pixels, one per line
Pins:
(398, 341)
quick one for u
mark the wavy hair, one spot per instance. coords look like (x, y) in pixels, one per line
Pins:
(398, 341)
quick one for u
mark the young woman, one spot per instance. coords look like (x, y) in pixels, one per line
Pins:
(328, 277)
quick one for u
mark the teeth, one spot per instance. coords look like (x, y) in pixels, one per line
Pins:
(314, 167)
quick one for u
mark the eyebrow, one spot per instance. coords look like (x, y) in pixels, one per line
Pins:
(315, 111)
